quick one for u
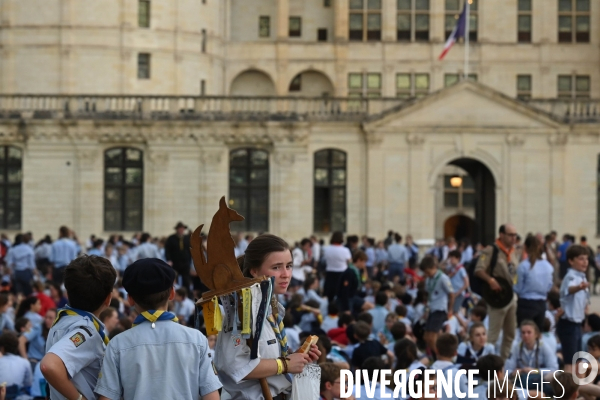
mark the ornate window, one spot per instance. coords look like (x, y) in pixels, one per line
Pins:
(365, 20)
(330, 191)
(11, 175)
(123, 189)
(459, 196)
(249, 188)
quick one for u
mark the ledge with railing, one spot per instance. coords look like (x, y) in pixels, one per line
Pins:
(223, 108)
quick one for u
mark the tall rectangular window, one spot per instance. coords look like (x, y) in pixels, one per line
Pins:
(574, 21)
(365, 20)
(453, 10)
(524, 22)
(367, 84)
(144, 13)
(462, 196)
(524, 87)
(264, 26)
(143, 66)
(412, 85)
(452, 79)
(329, 191)
(295, 27)
(413, 20)
(574, 86)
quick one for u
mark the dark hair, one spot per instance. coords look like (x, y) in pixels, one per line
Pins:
(305, 241)
(107, 312)
(310, 280)
(63, 232)
(144, 238)
(398, 330)
(182, 292)
(575, 251)
(3, 299)
(533, 246)
(362, 330)
(359, 255)
(594, 342)
(345, 319)
(9, 342)
(564, 384)
(488, 365)
(372, 364)
(502, 229)
(259, 249)
(479, 311)
(583, 239)
(365, 317)
(152, 301)
(428, 262)
(398, 237)
(25, 305)
(593, 321)
(554, 298)
(381, 298)
(337, 238)
(401, 310)
(405, 351)
(371, 241)
(446, 345)
(18, 239)
(330, 372)
(20, 323)
(546, 325)
(115, 332)
(89, 280)
(455, 254)
(421, 297)
(332, 308)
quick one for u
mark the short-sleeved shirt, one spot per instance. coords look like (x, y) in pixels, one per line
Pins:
(15, 370)
(170, 361)
(574, 304)
(534, 283)
(6, 323)
(458, 279)
(540, 357)
(75, 340)
(232, 359)
(438, 287)
(504, 268)
(37, 343)
(336, 258)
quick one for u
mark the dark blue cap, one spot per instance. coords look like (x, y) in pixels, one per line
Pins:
(148, 276)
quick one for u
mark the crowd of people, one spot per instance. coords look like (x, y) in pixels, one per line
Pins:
(513, 307)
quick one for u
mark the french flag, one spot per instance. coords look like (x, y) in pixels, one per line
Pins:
(458, 31)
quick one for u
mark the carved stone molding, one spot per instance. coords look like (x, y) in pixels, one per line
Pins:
(212, 157)
(373, 137)
(515, 140)
(415, 139)
(558, 139)
(284, 159)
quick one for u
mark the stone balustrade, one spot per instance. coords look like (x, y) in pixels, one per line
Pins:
(242, 108)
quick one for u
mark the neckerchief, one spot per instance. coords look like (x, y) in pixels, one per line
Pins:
(434, 279)
(153, 316)
(453, 271)
(475, 354)
(75, 312)
(505, 250)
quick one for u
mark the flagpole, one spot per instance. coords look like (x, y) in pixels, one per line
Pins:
(467, 28)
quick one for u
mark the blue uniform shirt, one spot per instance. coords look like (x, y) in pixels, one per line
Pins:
(534, 283)
(458, 279)
(21, 257)
(574, 304)
(170, 361)
(438, 287)
(63, 252)
(75, 340)
(540, 357)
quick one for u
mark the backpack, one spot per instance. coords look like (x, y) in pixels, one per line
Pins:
(476, 282)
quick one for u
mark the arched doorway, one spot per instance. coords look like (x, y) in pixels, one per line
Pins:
(252, 83)
(466, 201)
(311, 84)
(460, 227)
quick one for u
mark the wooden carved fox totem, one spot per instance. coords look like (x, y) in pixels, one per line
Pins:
(221, 269)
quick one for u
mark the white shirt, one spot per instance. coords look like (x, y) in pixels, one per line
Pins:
(337, 258)
(185, 309)
(316, 251)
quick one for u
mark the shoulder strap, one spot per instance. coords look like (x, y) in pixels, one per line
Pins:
(494, 259)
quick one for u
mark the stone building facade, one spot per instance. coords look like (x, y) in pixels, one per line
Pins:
(130, 115)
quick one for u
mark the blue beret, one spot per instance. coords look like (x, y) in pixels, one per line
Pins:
(148, 276)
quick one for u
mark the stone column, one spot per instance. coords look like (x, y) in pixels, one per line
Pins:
(436, 22)
(421, 198)
(374, 187)
(388, 21)
(558, 171)
(214, 181)
(340, 14)
(515, 181)
(158, 190)
(88, 213)
(283, 19)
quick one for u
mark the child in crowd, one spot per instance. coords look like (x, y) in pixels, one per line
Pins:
(156, 358)
(398, 331)
(184, 306)
(574, 299)
(369, 391)
(441, 297)
(77, 341)
(367, 347)
(15, 371)
(476, 346)
(385, 336)
(330, 382)
(338, 335)
(379, 313)
(6, 322)
(331, 320)
(458, 277)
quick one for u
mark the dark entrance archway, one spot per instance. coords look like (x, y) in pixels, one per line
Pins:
(460, 227)
(485, 199)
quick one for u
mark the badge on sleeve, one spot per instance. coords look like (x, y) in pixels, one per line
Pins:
(77, 339)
